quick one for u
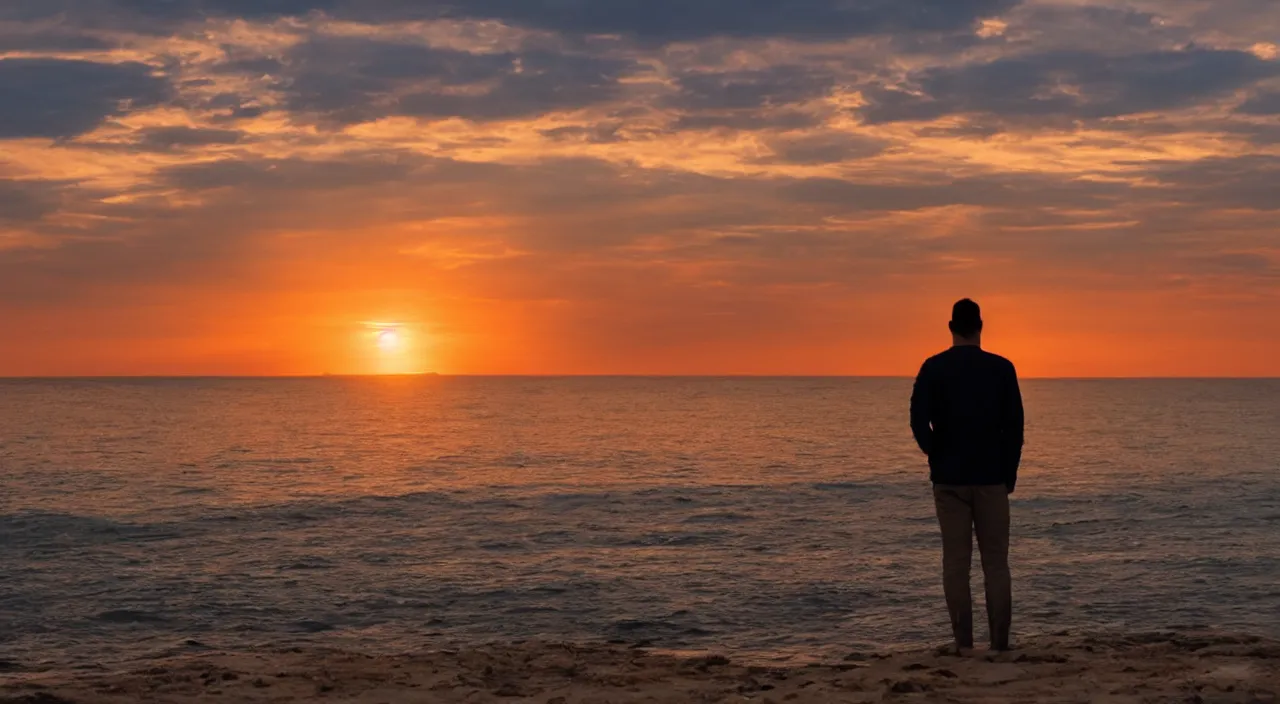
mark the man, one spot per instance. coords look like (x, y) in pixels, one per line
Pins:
(966, 415)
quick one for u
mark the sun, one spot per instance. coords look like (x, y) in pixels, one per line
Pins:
(389, 340)
(392, 348)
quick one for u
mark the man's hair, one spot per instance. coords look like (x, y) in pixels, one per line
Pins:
(966, 318)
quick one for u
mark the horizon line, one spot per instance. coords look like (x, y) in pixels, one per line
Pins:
(286, 377)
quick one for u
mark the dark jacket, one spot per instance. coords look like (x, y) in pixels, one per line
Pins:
(966, 414)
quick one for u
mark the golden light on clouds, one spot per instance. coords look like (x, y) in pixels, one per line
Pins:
(992, 28)
(1266, 50)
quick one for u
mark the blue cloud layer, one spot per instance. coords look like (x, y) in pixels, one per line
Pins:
(64, 98)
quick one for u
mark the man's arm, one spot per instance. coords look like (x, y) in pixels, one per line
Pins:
(921, 405)
(1013, 431)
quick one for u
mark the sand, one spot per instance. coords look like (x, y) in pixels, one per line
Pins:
(1190, 668)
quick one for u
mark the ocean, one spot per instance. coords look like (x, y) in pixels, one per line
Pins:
(773, 518)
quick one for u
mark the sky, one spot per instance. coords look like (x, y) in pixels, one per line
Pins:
(248, 187)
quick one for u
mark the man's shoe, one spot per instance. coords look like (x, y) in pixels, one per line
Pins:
(955, 650)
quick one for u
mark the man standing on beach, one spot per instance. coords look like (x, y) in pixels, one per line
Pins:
(966, 415)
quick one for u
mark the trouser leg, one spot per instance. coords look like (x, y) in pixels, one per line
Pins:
(991, 520)
(955, 518)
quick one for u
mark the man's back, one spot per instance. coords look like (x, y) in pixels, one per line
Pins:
(966, 415)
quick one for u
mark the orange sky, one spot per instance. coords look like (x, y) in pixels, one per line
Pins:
(529, 188)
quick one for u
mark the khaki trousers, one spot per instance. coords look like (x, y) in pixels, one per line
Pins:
(962, 511)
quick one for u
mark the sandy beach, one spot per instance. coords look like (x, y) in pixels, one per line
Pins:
(1159, 667)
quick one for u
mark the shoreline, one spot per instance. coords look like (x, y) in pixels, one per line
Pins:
(1197, 668)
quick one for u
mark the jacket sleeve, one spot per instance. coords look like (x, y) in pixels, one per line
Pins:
(1014, 430)
(921, 407)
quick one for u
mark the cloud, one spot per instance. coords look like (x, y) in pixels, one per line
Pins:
(538, 83)
(252, 9)
(46, 40)
(165, 139)
(256, 176)
(58, 98)
(572, 206)
(608, 133)
(824, 148)
(1055, 26)
(351, 80)
(1245, 182)
(687, 20)
(749, 90)
(230, 107)
(991, 191)
(649, 21)
(1264, 135)
(1237, 262)
(1069, 85)
(658, 21)
(27, 201)
(227, 209)
(1262, 104)
(748, 121)
(136, 11)
(762, 99)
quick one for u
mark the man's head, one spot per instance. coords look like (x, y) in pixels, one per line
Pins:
(966, 321)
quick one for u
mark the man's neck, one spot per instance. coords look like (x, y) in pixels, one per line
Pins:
(966, 342)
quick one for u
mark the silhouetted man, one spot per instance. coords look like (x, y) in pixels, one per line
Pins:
(966, 415)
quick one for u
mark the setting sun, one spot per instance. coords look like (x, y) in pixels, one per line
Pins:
(389, 340)
(392, 348)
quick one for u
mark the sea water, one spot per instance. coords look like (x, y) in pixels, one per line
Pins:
(771, 517)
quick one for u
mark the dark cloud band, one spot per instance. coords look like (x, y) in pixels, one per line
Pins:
(1069, 85)
(63, 98)
(646, 20)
